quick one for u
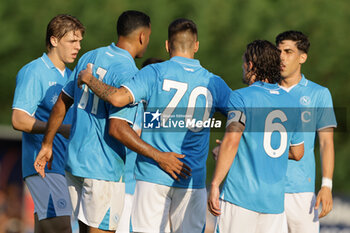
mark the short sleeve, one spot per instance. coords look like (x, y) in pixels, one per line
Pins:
(222, 92)
(325, 112)
(126, 113)
(236, 109)
(29, 92)
(142, 84)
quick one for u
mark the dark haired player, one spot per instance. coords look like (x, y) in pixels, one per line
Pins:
(179, 85)
(262, 125)
(301, 204)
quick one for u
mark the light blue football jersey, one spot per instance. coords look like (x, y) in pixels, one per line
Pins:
(317, 113)
(92, 153)
(38, 85)
(256, 179)
(179, 93)
(129, 171)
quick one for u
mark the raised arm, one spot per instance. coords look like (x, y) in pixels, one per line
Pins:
(118, 97)
(324, 196)
(57, 115)
(227, 153)
(168, 161)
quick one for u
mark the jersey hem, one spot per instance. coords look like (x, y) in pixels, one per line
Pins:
(154, 181)
(252, 209)
(94, 178)
(49, 171)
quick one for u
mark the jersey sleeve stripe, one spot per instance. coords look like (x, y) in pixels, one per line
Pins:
(130, 122)
(24, 111)
(67, 94)
(297, 144)
(133, 97)
(328, 126)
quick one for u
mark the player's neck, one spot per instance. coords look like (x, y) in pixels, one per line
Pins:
(291, 80)
(57, 62)
(182, 54)
(128, 46)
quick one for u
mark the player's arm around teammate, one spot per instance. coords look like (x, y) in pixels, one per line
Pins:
(120, 97)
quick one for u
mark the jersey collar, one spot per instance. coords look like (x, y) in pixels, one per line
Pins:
(186, 61)
(47, 61)
(121, 52)
(303, 80)
(269, 86)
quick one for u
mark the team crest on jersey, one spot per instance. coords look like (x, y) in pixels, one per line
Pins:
(305, 100)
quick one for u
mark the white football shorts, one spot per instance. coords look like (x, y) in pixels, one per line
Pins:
(300, 212)
(235, 219)
(159, 208)
(125, 220)
(97, 203)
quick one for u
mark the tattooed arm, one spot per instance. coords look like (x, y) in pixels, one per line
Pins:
(118, 97)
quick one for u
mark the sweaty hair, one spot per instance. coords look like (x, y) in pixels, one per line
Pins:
(60, 25)
(182, 33)
(131, 20)
(266, 61)
(302, 42)
(151, 60)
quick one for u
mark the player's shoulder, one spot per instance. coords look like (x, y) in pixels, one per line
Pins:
(90, 55)
(316, 91)
(314, 86)
(32, 68)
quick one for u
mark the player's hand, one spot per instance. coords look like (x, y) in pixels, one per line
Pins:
(213, 201)
(44, 156)
(324, 197)
(85, 75)
(169, 162)
(215, 151)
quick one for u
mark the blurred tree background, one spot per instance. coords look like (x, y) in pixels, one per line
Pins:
(225, 27)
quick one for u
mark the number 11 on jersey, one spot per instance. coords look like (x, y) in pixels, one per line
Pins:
(85, 96)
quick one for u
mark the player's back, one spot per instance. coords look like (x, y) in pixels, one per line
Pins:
(184, 93)
(92, 153)
(257, 176)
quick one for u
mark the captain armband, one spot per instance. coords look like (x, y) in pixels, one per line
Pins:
(235, 116)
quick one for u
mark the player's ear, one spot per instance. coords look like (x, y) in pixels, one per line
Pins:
(54, 41)
(303, 58)
(142, 37)
(250, 66)
(167, 46)
(196, 46)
